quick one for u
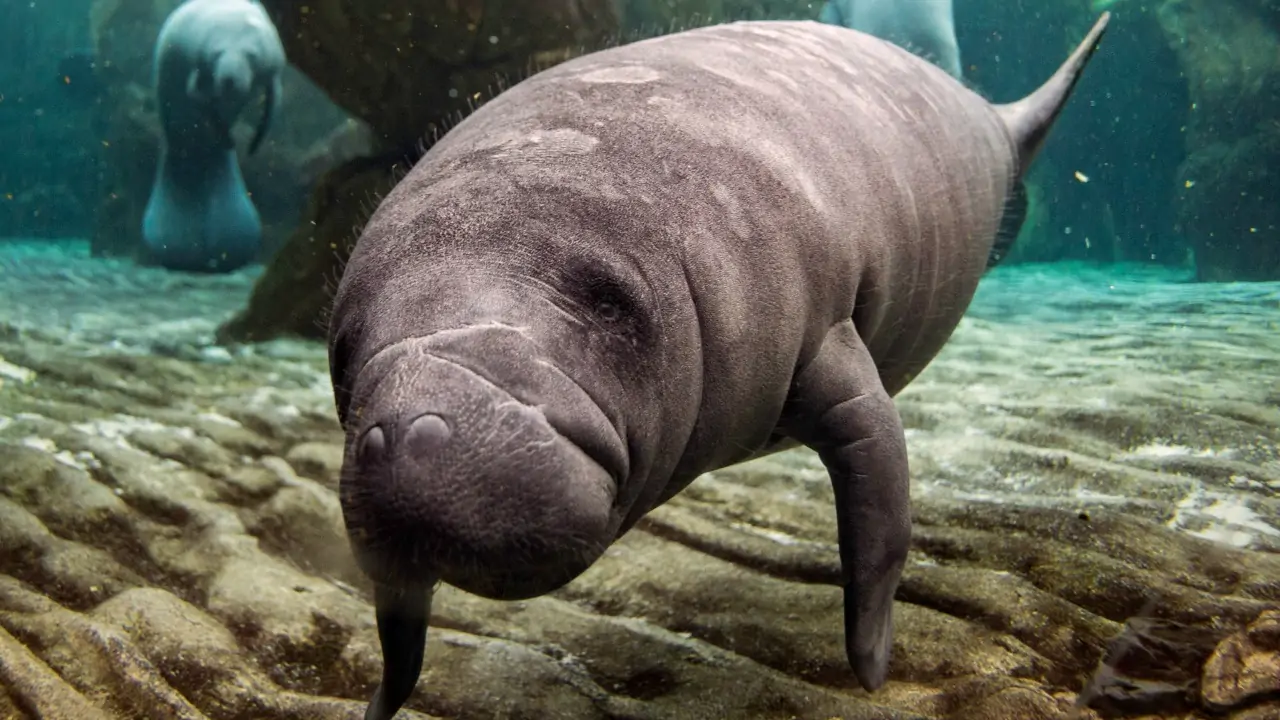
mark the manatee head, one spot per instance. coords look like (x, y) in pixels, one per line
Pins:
(240, 51)
(496, 364)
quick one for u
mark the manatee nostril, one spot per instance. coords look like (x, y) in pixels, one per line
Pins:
(373, 445)
(426, 434)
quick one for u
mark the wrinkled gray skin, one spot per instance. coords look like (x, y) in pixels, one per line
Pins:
(648, 263)
(926, 27)
(212, 58)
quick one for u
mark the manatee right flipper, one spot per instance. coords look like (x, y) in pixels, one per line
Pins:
(839, 408)
(402, 615)
(269, 110)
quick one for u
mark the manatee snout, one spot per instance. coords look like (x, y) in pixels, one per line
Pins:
(503, 492)
(232, 81)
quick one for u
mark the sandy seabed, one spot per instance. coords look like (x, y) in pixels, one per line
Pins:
(1096, 488)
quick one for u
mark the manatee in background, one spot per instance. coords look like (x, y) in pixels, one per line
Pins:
(212, 58)
(648, 263)
(926, 27)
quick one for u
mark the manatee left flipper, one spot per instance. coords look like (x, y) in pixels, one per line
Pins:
(402, 615)
(197, 90)
(839, 408)
(1015, 214)
(272, 105)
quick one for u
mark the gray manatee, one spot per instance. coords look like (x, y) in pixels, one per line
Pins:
(648, 263)
(926, 27)
(212, 58)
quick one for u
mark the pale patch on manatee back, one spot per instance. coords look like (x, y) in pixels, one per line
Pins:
(559, 141)
(781, 78)
(747, 135)
(792, 172)
(627, 74)
(563, 140)
(732, 208)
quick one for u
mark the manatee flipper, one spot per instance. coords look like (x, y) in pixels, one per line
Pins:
(1015, 214)
(193, 86)
(200, 92)
(839, 408)
(402, 615)
(269, 109)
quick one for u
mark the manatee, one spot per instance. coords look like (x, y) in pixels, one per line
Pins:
(648, 263)
(212, 58)
(926, 27)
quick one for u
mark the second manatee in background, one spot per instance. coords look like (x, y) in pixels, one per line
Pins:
(925, 27)
(212, 58)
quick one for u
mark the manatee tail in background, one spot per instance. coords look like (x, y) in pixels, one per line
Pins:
(1030, 118)
(1028, 121)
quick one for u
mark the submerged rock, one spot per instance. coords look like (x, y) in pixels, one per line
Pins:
(1245, 668)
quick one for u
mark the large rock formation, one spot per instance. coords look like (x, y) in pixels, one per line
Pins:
(403, 66)
(410, 71)
(292, 298)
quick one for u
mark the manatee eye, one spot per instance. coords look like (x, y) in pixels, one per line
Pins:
(608, 311)
(608, 300)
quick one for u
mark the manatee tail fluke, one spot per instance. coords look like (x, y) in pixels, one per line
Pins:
(1030, 118)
